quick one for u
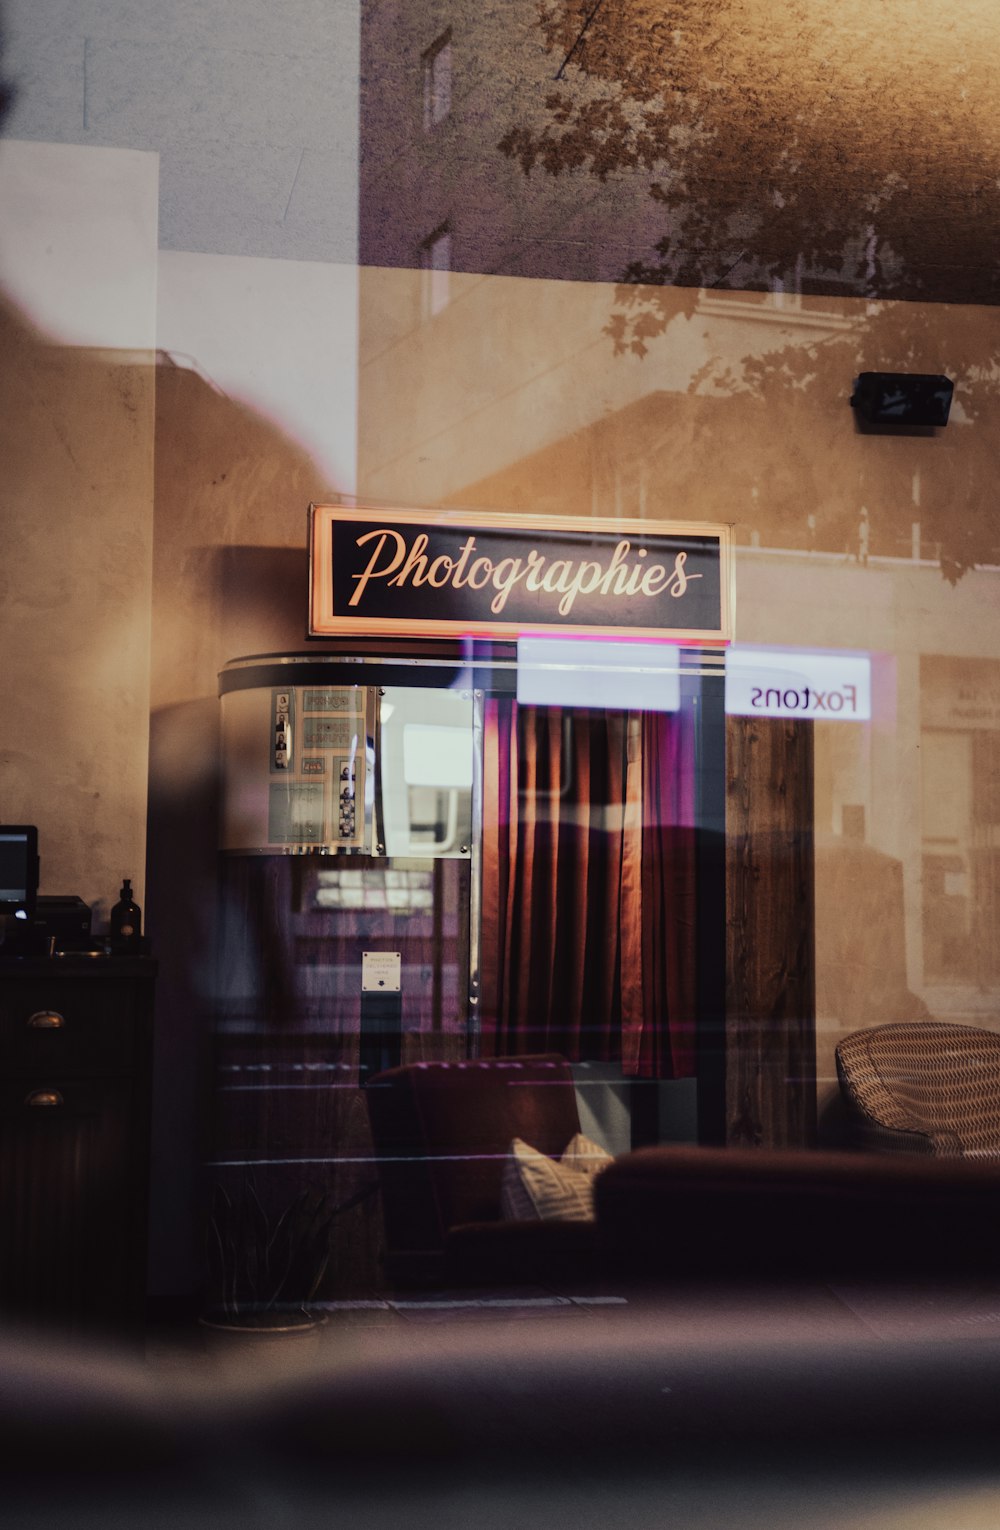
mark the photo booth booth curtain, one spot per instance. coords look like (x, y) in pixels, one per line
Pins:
(589, 887)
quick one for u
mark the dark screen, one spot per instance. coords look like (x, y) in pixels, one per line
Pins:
(18, 866)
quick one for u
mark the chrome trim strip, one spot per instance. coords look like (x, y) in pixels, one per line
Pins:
(473, 1023)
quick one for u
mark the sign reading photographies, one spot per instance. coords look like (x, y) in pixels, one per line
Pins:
(402, 573)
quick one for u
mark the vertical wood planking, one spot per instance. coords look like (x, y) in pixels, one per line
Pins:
(770, 978)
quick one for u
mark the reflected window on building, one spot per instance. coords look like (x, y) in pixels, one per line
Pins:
(435, 263)
(436, 68)
(960, 778)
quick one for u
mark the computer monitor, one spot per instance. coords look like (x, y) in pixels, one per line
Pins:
(18, 869)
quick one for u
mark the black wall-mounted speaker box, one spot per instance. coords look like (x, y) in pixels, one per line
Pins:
(903, 398)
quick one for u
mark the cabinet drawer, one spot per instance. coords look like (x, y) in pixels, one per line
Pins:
(64, 1028)
(69, 1200)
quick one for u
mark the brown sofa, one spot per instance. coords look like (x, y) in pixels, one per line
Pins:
(672, 1213)
(442, 1132)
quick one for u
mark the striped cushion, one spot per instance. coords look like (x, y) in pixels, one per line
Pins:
(536, 1188)
(585, 1156)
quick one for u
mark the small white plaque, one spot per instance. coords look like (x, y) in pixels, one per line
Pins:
(381, 971)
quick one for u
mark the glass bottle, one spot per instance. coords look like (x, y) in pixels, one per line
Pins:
(126, 921)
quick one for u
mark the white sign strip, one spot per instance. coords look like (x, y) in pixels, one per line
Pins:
(786, 682)
(588, 672)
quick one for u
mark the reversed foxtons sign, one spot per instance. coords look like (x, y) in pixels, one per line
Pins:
(827, 686)
(403, 573)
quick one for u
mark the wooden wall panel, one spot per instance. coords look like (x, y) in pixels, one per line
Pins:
(770, 981)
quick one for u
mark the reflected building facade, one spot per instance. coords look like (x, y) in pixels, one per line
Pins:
(349, 289)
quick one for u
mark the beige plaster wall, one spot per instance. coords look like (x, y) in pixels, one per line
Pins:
(255, 415)
(77, 260)
(166, 422)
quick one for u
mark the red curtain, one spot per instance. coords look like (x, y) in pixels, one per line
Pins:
(588, 908)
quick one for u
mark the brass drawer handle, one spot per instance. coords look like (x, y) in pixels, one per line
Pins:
(46, 1020)
(44, 1097)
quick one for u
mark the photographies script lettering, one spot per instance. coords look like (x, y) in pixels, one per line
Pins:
(624, 574)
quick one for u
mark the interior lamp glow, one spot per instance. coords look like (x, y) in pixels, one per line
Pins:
(437, 756)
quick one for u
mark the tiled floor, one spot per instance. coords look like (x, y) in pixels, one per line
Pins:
(702, 1314)
(930, 1310)
(694, 1314)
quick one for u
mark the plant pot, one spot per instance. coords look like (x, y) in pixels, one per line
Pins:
(275, 1339)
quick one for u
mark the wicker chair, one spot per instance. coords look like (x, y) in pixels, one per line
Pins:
(923, 1087)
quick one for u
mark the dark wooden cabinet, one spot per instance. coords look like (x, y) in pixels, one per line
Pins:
(75, 1075)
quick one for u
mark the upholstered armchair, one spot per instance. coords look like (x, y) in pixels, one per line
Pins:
(923, 1086)
(442, 1133)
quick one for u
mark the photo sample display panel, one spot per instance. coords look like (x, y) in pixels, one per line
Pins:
(297, 769)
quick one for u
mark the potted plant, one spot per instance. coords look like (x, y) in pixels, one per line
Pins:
(265, 1270)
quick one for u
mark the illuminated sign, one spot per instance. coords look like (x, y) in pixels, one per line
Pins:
(402, 573)
(785, 682)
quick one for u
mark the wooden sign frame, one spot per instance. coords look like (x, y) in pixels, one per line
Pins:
(594, 577)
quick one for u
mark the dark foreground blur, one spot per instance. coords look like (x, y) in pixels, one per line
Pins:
(711, 1409)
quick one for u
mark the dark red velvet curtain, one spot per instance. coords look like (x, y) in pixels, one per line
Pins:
(588, 928)
(660, 988)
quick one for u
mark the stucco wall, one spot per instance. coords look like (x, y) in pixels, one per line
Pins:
(78, 267)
